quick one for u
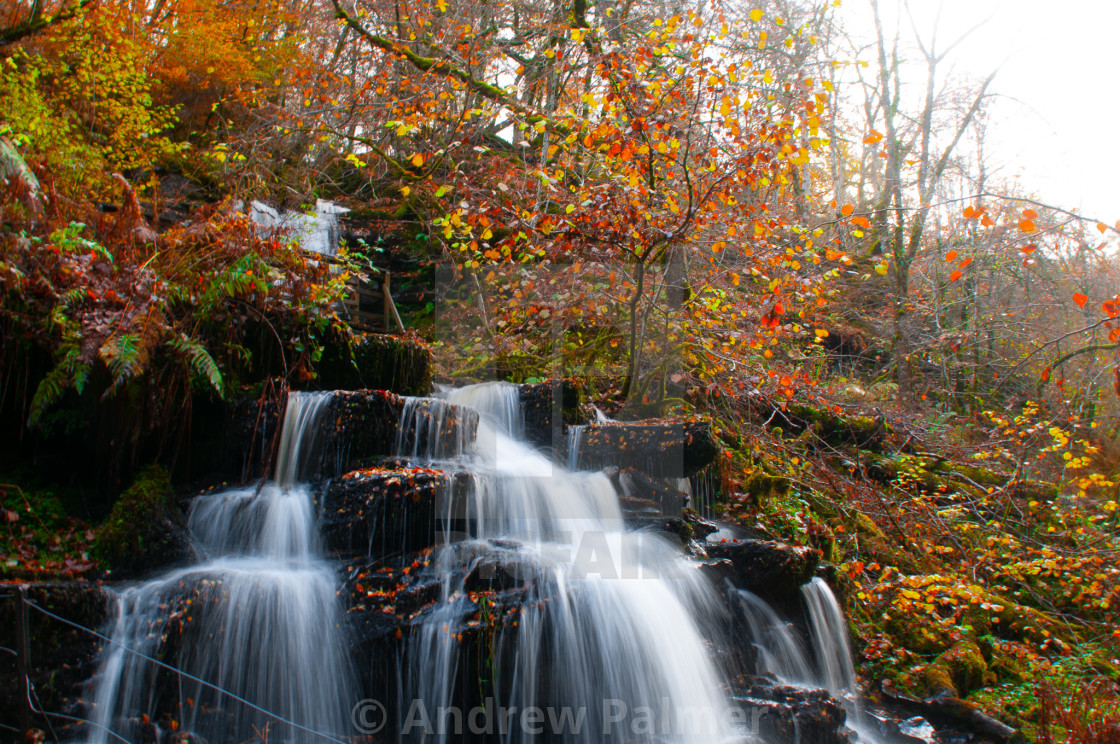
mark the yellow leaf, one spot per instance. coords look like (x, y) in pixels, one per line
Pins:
(756, 15)
(821, 333)
(405, 191)
(570, 208)
(418, 160)
(881, 268)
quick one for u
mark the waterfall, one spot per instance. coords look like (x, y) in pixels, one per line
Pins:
(781, 653)
(830, 641)
(256, 627)
(575, 441)
(608, 628)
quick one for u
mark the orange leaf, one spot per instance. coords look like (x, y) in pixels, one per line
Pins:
(1029, 214)
(418, 160)
(969, 213)
(955, 276)
(847, 210)
(874, 138)
(861, 221)
(1026, 226)
(1102, 227)
(1029, 248)
(966, 262)
(1046, 375)
(987, 221)
(951, 256)
(785, 381)
(1080, 299)
(1111, 308)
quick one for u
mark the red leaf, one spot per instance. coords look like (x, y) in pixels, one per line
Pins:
(1080, 299)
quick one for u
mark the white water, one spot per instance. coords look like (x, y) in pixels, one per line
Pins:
(611, 620)
(258, 621)
(781, 653)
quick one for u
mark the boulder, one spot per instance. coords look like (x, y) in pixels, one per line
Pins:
(146, 530)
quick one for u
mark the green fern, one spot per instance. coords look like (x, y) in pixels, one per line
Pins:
(200, 360)
(122, 356)
(69, 372)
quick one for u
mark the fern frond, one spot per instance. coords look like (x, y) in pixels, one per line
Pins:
(202, 364)
(70, 371)
(121, 355)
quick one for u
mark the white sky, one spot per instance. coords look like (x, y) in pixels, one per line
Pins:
(1057, 118)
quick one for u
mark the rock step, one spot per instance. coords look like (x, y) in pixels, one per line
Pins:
(358, 427)
(380, 512)
(669, 449)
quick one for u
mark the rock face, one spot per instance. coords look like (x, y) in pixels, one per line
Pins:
(377, 362)
(549, 407)
(662, 449)
(359, 427)
(378, 512)
(62, 656)
(767, 568)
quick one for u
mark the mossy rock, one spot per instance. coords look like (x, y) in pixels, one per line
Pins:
(862, 432)
(963, 666)
(145, 530)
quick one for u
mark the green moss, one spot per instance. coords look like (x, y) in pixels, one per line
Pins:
(145, 528)
(965, 666)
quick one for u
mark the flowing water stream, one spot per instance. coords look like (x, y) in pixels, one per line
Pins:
(609, 629)
(609, 638)
(257, 624)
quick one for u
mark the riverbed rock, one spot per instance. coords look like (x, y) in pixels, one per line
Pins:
(358, 428)
(793, 714)
(667, 449)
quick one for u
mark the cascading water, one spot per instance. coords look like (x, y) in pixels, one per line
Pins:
(256, 627)
(607, 632)
(780, 652)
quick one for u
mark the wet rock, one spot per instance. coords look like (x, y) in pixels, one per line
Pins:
(62, 657)
(765, 567)
(146, 530)
(377, 362)
(662, 492)
(792, 714)
(358, 428)
(377, 512)
(548, 408)
(663, 449)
